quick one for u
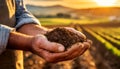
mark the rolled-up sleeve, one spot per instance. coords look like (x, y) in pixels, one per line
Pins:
(23, 16)
(4, 36)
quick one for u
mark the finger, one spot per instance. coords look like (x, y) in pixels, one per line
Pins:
(54, 47)
(76, 50)
(49, 57)
(84, 45)
(79, 52)
(72, 53)
(90, 41)
(44, 54)
(76, 53)
(39, 52)
(66, 53)
(43, 43)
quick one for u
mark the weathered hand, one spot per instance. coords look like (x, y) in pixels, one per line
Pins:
(75, 51)
(49, 50)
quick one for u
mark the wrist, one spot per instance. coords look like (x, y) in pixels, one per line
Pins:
(32, 29)
(18, 41)
(28, 43)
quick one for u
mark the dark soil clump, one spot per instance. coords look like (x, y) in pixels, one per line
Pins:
(64, 36)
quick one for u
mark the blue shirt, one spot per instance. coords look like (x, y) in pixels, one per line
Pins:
(22, 17)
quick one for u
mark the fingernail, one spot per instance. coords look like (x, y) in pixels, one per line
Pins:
(82, 46)
(61, 48)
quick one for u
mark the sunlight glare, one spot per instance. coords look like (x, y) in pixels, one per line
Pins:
(105, 2)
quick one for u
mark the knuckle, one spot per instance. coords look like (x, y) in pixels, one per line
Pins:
(90, 41)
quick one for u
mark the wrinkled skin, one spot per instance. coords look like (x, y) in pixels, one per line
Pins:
(51, 51)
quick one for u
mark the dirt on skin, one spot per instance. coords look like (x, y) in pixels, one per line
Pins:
(64, 36)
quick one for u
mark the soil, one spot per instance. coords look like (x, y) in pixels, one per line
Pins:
(97, 57)
(64, 36)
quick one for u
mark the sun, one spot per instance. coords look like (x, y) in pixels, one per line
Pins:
(105, 2)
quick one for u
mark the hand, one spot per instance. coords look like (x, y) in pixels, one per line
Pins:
(43, 51)
(41, 42)
(42, 47)
(75, 51)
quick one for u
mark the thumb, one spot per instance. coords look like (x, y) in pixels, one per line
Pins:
(50, 46)
(54, 47)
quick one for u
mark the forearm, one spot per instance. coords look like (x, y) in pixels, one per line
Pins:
(32, 29)
(19, 41)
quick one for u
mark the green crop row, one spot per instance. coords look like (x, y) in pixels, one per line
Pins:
(107, 44)
(106, 36)
(111, 32)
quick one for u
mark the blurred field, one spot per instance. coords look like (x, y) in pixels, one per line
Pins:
(103, 54)
(68, 21)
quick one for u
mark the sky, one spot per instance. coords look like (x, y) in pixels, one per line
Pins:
(70, 3)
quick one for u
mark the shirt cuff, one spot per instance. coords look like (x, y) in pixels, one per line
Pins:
(4, 36)
(26, 19)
